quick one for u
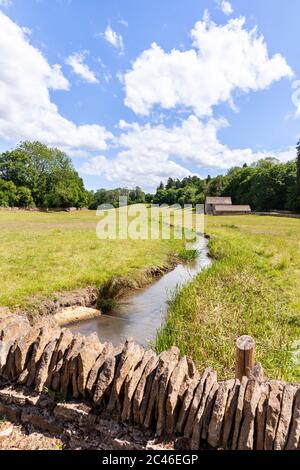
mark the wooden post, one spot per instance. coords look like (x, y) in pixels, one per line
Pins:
(245, 355)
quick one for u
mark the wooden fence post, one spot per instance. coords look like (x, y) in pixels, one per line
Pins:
(245, 355)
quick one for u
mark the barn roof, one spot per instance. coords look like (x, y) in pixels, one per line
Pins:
(231, 208)
(218, 200)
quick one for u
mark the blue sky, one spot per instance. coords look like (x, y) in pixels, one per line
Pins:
(138, 90)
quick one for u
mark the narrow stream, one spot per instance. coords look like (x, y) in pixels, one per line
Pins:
(142, 313)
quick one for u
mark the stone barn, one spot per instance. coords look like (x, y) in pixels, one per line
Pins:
(224, 209)
(210, 202)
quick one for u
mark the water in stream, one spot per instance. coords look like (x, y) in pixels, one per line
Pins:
(142, 313)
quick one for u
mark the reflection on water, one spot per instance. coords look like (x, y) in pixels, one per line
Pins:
(141, 314)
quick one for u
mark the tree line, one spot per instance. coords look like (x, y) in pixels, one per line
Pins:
(112, 197)
(266, 185)
(34, 175)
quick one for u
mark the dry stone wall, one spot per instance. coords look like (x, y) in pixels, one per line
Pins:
(164, 394)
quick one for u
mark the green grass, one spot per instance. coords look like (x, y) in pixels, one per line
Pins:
(45, 253)
(253, 287)
(187, 255)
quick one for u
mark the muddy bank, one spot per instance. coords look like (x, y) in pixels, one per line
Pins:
(85, 297)
(119, 287)
(85, 303)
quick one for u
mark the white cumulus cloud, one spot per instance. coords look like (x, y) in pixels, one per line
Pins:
(76, 62)
(150, 154)
(114, 38)
(224, 59)
(26, 108)
(225, 6)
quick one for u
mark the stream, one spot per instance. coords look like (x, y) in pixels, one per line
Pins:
(140, 314)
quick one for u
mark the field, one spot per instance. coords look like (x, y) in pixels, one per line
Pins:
(252, 288)
(43, 253)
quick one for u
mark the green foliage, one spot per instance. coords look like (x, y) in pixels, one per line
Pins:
(40, 176)
(188, 255)
(111, 197)
(8, 193)
(24, 197)
(266, 185)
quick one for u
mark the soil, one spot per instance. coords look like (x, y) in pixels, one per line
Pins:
(16, 437)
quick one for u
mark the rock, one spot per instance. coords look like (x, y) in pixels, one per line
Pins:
(192, 369)
(9, 370)
(230, 415)
(141, 396)
(12, 331)
(285, 417)
(86, 359)
(187, 400)
(196, 403)
(257, 372)
(165, 359)
(6, 431)
(8, 345)
(67, 368)
(8, 318)
(41, 421)
(6, 395)
(218, 413)
(177, 387)
(55, 382)
(208, 410)
(108, 350)
(130, 357)
(132, 383)
(71, 412)
(62, 345)
(4, 312)
(273, 413)
(44, 364)
(73, 369)
(104, 380)
(198, 422)
(162, 392)
(252, 396)
(239, 413)
(294, 433)
(260, 420)
(23, 349)
(44, 338)
(74, 314)
(11, 412)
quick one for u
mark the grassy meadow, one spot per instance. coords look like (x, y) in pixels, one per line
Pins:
(42, 253)
(253, 287)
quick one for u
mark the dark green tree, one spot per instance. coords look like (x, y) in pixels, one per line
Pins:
(8, 194)
(46, 172)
